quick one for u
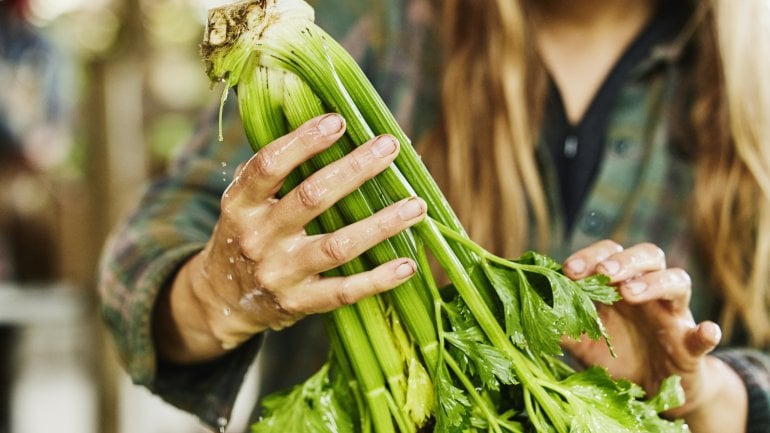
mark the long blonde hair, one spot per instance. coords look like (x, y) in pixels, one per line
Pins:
(483, 149)
(732, 195)
(485, 110)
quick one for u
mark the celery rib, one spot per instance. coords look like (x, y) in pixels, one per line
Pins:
(287, 70)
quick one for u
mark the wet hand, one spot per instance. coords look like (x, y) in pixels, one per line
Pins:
(652, 328)
(260, 270)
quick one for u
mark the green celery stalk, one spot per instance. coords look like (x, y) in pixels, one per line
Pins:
(264, 86)
(302, 105)
(500, 327)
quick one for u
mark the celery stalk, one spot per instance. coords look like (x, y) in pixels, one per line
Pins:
(265, 90)
(488, 343)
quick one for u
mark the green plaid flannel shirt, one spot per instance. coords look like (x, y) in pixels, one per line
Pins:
(640, 194)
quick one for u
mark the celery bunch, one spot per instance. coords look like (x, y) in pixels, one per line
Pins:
(479, 355)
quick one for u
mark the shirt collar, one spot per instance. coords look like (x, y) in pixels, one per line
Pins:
(669, 32)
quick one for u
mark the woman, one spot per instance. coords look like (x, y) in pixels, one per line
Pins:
(641, 122)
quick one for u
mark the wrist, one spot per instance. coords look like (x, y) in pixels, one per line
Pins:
(182, 328)
(721, 404)
(224, 321)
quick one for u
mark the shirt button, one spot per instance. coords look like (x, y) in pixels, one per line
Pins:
(622, 146)
(594, 223)
(570, 146)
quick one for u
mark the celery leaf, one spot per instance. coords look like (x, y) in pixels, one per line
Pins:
(489, 362)
(453, 404)
(420, 396)
(506, 285)
(602, 404)
(311, 407)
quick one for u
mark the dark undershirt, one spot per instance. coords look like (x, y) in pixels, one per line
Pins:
(577, 150)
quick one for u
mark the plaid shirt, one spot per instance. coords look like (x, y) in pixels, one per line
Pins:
(640, 194)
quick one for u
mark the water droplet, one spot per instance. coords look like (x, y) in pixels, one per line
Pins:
(232, 260)
(222, 423)
(230, 277)
(229, 240)
(224, 164)
(227, 311)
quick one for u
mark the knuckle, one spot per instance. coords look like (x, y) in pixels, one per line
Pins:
(680, 276)
(310, 194)
(227, 202)
(335, 249)
(239, 169)
(357, 162)
(268, 279)
(252, 249)
(384, 226)
(265, 165)
(307, 137)
(275, 279)
(289, 306)
(654, 251)
(310, 135)
(649, 246)
(344, 296)
(610, 245)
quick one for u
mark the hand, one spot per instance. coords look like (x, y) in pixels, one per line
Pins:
(260, 270)
(654, 334)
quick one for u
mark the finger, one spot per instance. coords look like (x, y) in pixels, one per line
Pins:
(333, 182)
(327, 294)
(673, 285)
(263, 174)
(703, 338)
(645, 257)
(351, 241)
(583, 262)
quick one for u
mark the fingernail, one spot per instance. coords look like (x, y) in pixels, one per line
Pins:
(330, 124)
(411, 208)
(611, 266)
(576, 266)
(713, 332)
(384, 146)
(405, 269)
(636, 287)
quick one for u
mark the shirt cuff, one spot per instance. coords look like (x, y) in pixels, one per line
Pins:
(754, 369)
(207, 390)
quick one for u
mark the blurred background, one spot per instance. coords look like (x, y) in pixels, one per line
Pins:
(96, 95)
